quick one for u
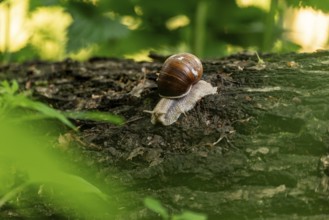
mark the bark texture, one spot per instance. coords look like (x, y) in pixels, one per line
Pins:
(256, 150)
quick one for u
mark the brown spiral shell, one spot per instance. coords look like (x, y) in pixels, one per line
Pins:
(179, 72)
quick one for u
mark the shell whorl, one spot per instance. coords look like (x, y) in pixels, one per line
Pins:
(179, 72)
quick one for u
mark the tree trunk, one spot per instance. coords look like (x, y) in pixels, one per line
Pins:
(257, 149)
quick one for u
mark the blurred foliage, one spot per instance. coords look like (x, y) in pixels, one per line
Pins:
(95, 116)
(11, 100)
(208, 28)
(30, 173)
(29, 168)
(158, 208)
(316, 4)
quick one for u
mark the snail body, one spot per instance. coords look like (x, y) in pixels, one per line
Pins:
(167, 111)
(178, 74)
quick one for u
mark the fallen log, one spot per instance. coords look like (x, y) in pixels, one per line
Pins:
(257, 149)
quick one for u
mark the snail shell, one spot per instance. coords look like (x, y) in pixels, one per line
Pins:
(178, 74)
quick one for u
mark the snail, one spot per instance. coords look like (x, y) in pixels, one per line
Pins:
(179, 72)
(180, 86)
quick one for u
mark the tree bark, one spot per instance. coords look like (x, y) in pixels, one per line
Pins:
(256, 150)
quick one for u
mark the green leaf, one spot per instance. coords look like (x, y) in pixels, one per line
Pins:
(7, 88)
(71, 182)
(95, 116)
(188, 215)
(9, 98)
(156, 206)
(24, 102)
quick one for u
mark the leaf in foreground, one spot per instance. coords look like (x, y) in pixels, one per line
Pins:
(156, 206)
